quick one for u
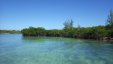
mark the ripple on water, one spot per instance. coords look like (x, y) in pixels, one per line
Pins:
(18, 50)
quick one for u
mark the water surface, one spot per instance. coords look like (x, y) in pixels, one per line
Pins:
(15, 49)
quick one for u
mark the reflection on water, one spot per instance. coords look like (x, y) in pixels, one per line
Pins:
(15, 49)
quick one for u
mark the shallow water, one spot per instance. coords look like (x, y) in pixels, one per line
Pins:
(15, 49)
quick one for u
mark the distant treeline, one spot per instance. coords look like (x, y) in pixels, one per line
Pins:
(9, 31)
(97, 32)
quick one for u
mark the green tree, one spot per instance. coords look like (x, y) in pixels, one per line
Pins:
(68, 24)
(110, 20)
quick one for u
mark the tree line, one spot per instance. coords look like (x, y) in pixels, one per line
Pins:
(9, 31)
(96, 32)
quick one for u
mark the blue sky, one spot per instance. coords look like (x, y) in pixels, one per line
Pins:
(51, 14)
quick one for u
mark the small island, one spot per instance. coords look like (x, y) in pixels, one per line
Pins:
(96, 32)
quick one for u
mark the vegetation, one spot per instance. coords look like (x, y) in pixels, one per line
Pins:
(9, 31)
(97, 32)
(110, 20)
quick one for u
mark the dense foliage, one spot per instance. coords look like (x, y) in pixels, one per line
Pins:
(97, 32)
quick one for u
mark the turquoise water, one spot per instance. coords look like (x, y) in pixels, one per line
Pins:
(15, 49)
